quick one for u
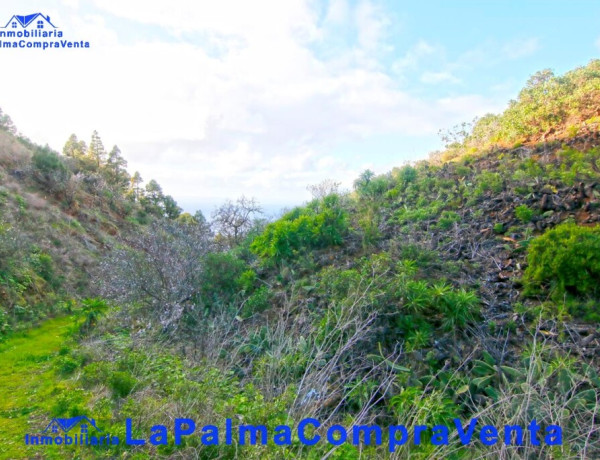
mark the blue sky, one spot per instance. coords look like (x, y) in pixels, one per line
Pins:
(262, 98)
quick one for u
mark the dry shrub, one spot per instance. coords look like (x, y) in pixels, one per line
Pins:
(13, 155)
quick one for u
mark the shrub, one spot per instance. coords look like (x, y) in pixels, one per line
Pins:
(524, 213)
(565, 259)
(220, 277)
(67, 365)
(320, 225)
(447, 219)
(257, 302)
(406, 174)
(121, 384)
(247, 281)
(96, 373)
(49, 170)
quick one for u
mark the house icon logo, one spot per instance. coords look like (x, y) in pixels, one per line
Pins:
(30, 21)
(35, 31)
(65, 425)
(75, 431)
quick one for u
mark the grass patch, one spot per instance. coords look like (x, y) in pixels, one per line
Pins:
(30, 388)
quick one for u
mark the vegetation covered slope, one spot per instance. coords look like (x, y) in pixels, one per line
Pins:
(464, 286)
(58, 214)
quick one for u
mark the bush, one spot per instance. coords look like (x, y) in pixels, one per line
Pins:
(259, 301)
(523, 213)
(324, 223)
(67, 365)
(447, 219)
(220, 277)
(96, 373)
(121, 384)
(50, 171)
(565, 259)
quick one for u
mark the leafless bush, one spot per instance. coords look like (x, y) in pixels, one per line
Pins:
(232, 221)
(161, 269)
(13, 155)
(324, 188)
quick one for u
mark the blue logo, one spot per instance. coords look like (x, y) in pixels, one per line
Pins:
(76, 431)
(35, 31)
(36, 20)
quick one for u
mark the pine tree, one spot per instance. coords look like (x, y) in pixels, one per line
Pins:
(172, 210)
(96, 149)
(116, 168)
(74, 148)
(153, 200)
(136, 183)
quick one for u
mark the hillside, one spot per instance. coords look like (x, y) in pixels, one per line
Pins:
(58, 215)
(464, 287)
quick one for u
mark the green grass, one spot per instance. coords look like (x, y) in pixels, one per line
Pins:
(31, 392)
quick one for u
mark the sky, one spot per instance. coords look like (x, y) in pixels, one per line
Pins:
(263, 98)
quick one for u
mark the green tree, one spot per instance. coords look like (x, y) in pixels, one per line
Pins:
(6, 123)
(171, 209)
(116, 168)
(186, 219)
(199, 216)
(74, 148)
(136, 185)
(96, 150)
(153, 199)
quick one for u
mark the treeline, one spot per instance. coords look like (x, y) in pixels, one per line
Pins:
(93, 169)
(111, 167)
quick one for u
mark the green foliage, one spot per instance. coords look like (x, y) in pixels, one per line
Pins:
(318, 226)
(247, 280)
(67, 365)
(220, 279)
(49, 170)
(489, 181)
(406, 174)
(92, 310)
(430, 409)
(524, 213)
(408, 214)
(447, 219)
(548, 103)
(564, 260)
(257, 302)
(96, 373)
(121, 383)
(6, 123)
(488, 375)
(455, 307)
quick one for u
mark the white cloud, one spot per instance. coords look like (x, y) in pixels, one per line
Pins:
(371, 25)
(337, 12)
(517, 49)
(259, 117)
(414, 56)
(259, 20)
(71, 3)
(435, 78)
